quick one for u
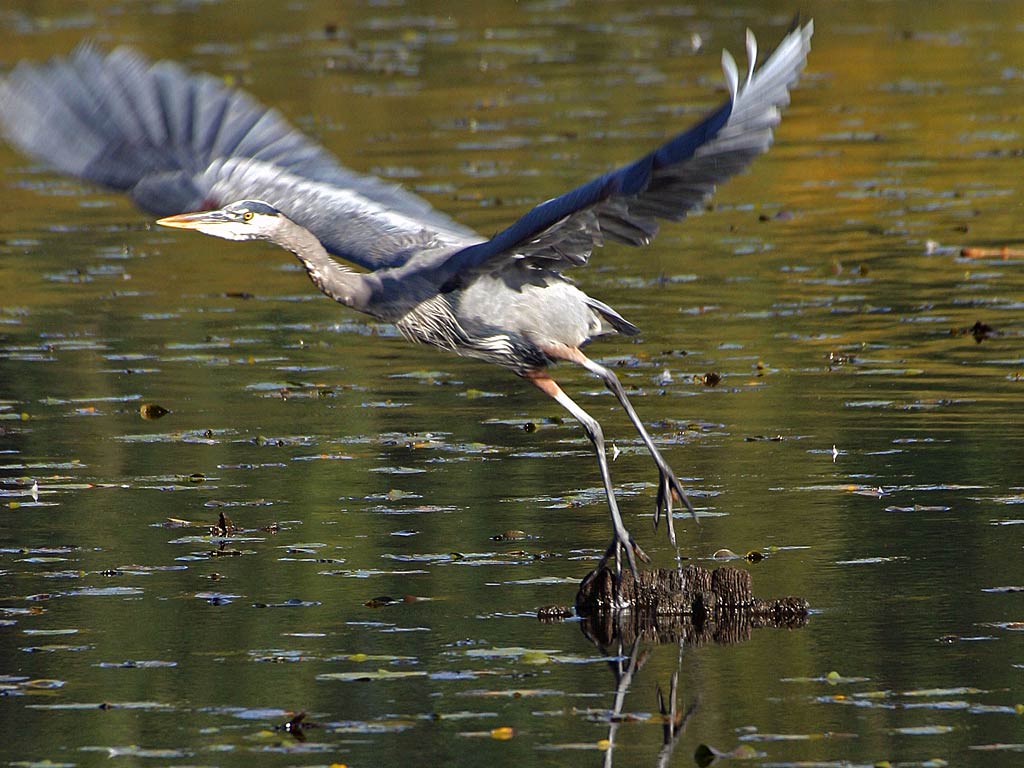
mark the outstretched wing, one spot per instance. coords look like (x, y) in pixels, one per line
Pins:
(178, 141)
(668, 183)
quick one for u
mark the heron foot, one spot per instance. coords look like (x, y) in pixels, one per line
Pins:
(614, 553)
(669, 492)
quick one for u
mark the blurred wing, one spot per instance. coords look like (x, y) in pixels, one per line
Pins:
(668, 183)
(177, 142)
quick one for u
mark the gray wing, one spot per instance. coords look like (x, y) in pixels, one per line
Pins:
(177, 141)
(625, 204)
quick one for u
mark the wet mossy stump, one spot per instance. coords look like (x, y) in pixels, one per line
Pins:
(696, 604)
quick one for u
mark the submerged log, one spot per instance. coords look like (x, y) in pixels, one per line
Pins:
(695, 604)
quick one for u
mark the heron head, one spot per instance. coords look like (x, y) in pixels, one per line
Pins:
(242, 220)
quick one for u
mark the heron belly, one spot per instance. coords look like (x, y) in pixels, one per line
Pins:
(493, 320)
(541, 313)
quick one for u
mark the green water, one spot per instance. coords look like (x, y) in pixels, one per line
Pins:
(825, 287)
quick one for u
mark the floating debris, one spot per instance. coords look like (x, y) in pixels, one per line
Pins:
(382, 601)
(152, 411)
(1004, 253)
(980, 331)
(217, 598)
(837, 359)
(511, 536)
(224, 526)
(554, 612)
(297, 726)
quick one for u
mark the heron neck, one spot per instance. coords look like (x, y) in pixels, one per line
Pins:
(336, 281)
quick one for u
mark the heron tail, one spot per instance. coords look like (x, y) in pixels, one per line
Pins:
(614, 319)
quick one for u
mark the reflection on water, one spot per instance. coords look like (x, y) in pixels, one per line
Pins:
(860, 433)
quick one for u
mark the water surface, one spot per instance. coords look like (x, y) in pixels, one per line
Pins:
(861, 435)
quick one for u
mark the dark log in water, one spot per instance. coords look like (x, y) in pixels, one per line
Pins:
(666, 592)
(696, 604)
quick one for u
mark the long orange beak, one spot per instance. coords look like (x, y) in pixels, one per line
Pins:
(193, 220)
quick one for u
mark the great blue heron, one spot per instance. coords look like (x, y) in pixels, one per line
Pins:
(183, 142)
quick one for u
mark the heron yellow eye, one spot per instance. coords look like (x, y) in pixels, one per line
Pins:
(247, 216)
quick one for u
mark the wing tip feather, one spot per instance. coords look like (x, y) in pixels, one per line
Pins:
(732, 73)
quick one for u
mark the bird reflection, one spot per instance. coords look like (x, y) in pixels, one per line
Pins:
(624, 667)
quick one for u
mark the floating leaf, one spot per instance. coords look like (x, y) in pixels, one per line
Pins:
(998, 747)
(361, 657)
(397, 495)
(50, 632)
(832, 678)
(535, 657)
(513, 652)
(44, 684)
(141, 664)
(919, 508)
(380, 674)
(105, 592)
(797, 736)
(959, 691)
(291, 602)
(55, 648)
(137, 751)
(155, 706)
(921, 730)
(514, 693)
(475, 394)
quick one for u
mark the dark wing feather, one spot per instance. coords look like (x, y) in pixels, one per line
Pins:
(178, 141)
(668, 183)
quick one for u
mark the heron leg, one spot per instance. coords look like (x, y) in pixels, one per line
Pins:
(622, 539)
(668, 483)
(614, 552)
